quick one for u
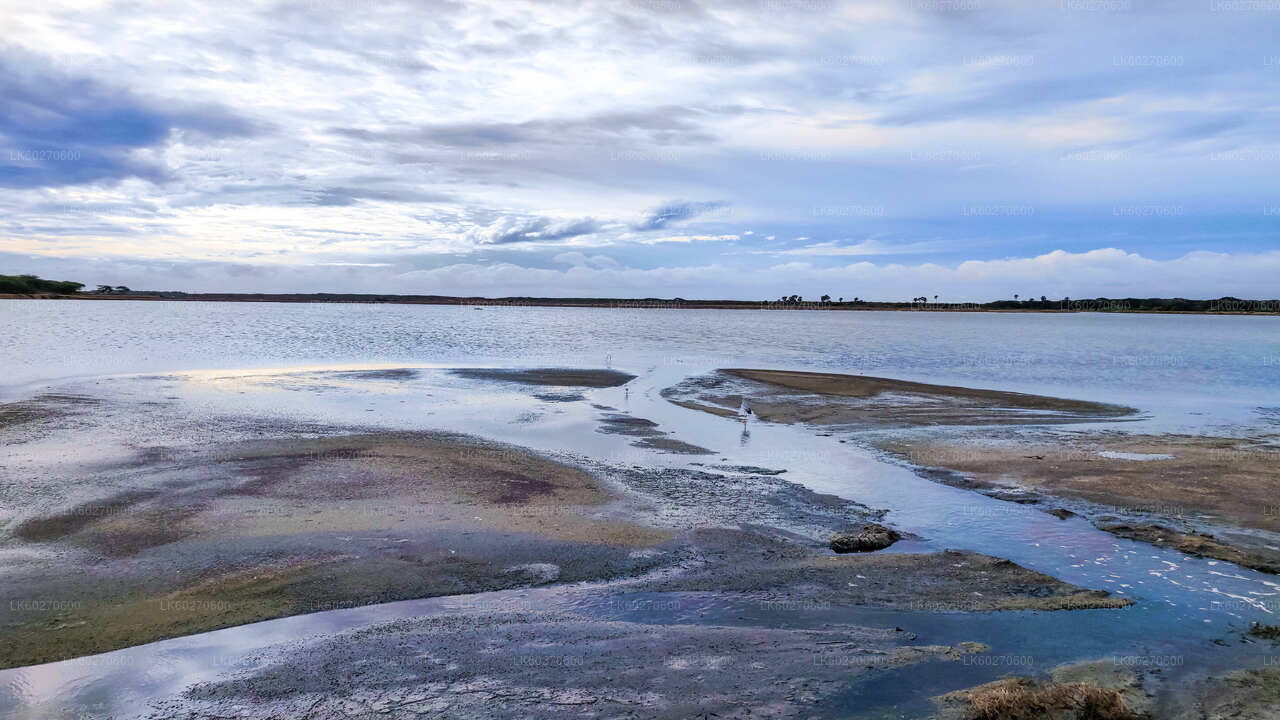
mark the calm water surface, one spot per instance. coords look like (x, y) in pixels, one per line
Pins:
(1185, 369)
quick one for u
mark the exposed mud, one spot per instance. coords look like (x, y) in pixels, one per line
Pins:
(951, 581)
(247, 531)
(1184, 492)
(1189, 493)
(533, 664)
(566, 377)
(648, 435)
(856, 401)
(328, 522)
(1251, 694)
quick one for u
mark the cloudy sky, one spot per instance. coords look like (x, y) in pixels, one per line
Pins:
(970, 149)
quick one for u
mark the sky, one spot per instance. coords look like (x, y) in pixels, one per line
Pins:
(969, 149)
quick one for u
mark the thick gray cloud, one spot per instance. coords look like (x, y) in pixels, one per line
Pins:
(59, 129)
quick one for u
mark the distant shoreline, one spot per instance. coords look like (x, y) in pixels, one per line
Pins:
(1238, 307)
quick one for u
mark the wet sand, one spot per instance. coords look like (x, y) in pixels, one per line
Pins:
(546, 664)
(647, 434)
(1240, 695)
(934, 582)
(183, 539)
(1204, 496)
(857, 401)
(1190, 493)
(264, 529)
(559, 377)
(665, 648)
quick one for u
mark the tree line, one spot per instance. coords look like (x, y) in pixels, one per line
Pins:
(31, 285)
(34, 285)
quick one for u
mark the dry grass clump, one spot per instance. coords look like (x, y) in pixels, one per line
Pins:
(1073, 701)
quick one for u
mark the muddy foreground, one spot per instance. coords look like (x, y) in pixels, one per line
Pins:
(110, 552)
(263, 529)
(682, 591)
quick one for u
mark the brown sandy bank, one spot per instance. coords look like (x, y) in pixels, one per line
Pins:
(861, 401)
(1162, 489)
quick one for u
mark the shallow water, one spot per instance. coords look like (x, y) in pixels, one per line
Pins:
(1184, 369)
(279, 361)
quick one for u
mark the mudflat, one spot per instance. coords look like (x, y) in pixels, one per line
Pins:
(861, 401)
(1185, 492)
(175, 540)
(257, 530)
(1205, 496)
(559, 377)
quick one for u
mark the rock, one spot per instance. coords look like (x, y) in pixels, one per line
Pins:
(1061, 513)
(865, 539)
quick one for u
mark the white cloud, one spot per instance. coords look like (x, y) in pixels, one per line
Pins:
(1106, 272)
(866, 247)
(577, 259)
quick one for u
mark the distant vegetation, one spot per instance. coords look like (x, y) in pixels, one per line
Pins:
(30, 285)
(1222, 304)
(1226, 304)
